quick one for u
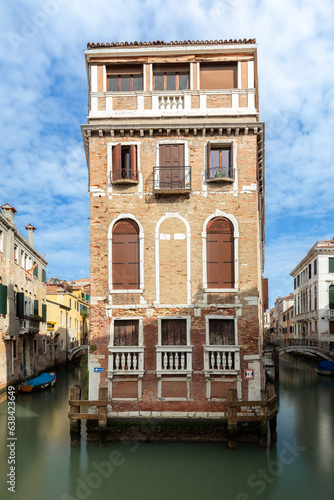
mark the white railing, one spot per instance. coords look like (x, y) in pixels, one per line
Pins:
(174, 359)
(331, 313)
(221, 358)
(174, 102)
(169, 102)
(125, 360)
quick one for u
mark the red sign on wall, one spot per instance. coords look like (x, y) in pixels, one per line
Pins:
(248, 374)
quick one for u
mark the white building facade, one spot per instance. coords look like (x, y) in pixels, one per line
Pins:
(314, 294)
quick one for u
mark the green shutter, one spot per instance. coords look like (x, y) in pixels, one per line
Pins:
(35, 271)
(20, 305)
(87, 296)
(331, 265)
(3, 299)
(44, 313)
(36, 307)
(331, 297)
(43, 275)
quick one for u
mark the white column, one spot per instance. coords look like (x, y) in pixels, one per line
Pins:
(198, 80)
(250, 74)
(144, 76)
(191, 76)
(239, 74)
(104, 78)
(93, 78)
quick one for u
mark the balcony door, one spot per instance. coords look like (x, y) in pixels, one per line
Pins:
(171, 163)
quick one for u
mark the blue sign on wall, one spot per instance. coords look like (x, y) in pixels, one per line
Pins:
(98, 369)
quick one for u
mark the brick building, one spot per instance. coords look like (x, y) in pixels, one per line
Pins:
(175, 152)
(25, 347)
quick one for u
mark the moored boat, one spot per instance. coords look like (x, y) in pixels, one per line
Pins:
(325, 368)
(43, 381)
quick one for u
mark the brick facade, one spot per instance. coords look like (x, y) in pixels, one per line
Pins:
(172, 233)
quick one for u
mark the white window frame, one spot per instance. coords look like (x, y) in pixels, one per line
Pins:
(233, 220)
(222, 317)
(141, 256)
(187, 349)
(124, 349)
(232, 143)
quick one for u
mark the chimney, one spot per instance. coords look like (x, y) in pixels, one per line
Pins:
(9, 212)
(30, 228)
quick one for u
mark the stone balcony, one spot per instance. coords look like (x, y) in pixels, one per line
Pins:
(226, 102)
(221, 359)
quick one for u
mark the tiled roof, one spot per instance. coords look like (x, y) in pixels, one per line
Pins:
(160, 42)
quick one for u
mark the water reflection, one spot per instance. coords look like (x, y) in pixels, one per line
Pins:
(299, 466)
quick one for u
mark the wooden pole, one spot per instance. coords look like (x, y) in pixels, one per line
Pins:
(102, 412)
(272, 421)
(276, 352)
(75, 424)
(232, 426)
(264, 424)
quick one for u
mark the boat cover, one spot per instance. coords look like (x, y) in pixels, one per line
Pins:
(326, 365)
(44, 378)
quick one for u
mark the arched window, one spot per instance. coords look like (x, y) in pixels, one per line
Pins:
(220, 253)
(125, 255)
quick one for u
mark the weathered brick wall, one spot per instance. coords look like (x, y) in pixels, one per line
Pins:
(219, 101)
(239, 199)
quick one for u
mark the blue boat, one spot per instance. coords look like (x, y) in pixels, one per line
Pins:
(325, 368)
(43, 381)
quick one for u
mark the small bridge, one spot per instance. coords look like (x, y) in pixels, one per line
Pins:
(315, 347)
(73, 352)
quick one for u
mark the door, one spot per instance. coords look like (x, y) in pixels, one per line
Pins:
(171, 166)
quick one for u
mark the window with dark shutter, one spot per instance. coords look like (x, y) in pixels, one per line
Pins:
(35, 271)
(126, 332)
(44, 310)
(36, 307)
(220, 253)
(174, 332)
(331, 265)
(221, 332)
(331, 297)
(20, 305)
(125, 255)
(3, 299)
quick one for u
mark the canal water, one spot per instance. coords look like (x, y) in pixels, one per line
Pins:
(299, 466)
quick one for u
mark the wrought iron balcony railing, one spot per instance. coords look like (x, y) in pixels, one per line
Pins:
(172, 179)
(220, 174)
(126, 175)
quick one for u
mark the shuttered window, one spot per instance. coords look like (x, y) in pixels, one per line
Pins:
(218, 76)
(126, 332)
(331, 297)
(3, 299)
(124, 162)
(20, 305)
(331, 264)
(174, 332)
(220, 253)
(125, 255)
(221, 332)
(36, 307)
(35, 271)
(43, 275)
(171, 166)
(44, 309)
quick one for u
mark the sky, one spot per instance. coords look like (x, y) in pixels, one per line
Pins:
(43, 90)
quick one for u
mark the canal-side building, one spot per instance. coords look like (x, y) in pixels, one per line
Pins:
(25, 347)
(175, 152)
(314, 294)
(68, 311)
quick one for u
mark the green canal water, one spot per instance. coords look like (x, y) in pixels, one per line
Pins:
(299, 466)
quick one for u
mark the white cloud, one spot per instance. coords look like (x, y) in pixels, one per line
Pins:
(43, 86)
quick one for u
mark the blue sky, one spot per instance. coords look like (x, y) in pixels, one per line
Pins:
(44, 101)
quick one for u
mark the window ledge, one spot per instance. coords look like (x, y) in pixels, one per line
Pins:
(124, 181)
(220, 290)
(221, 179)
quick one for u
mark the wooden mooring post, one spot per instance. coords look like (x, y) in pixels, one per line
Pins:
(262, 411)
(76, 416)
